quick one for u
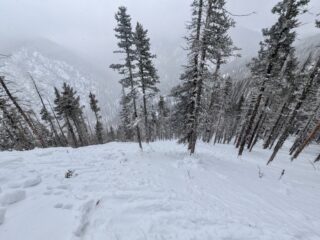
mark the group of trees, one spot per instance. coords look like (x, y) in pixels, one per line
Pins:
(61, 124)
(139, 82)
(281, 98)
(209, 46)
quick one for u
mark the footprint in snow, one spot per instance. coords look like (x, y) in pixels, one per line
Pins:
(86, 211)
(63, 206)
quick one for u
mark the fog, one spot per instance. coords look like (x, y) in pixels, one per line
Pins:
(86, 26)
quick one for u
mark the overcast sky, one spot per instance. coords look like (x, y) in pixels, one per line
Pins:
(87, 25)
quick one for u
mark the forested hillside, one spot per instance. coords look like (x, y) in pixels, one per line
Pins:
(221, 97)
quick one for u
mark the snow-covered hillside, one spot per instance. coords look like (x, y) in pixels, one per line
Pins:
(238, 68)
(51, 65)
(117, 192)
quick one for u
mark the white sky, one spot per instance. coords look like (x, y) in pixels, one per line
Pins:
(87, 25)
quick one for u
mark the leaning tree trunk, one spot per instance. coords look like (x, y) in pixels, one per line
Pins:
(307, 141)
(258, 124)
(28, 121)
(274, 127)
(304, 132)
(45, 108)
(306, 90)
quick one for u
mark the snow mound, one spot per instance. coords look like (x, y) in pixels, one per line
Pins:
(32, 182)
(12, 197)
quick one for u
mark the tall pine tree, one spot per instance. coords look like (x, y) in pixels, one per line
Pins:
(126, 47)
(95, 108)
(266, 69)
(146, 73)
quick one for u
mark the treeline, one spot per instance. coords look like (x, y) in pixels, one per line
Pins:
(61, 123)
(279, 100)
(144, 115)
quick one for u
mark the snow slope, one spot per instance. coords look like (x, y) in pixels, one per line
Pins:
(51, 65)
(117, 192)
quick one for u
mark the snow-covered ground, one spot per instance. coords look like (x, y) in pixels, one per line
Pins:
(119, 193)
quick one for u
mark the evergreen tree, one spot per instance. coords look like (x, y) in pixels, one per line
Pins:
(309, 82)
(16, 135)
(208, 42)
(187, 94)
(96, 110)
(164, 127)
(47, 117)
(126, 47)
(266, 69)
(23, 114)
(68, 107)
(112, 134)
(146, 74)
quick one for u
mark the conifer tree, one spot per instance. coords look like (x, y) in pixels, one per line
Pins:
(221, 48)
(146, 72)
(96, 110)
(309, 82)
(124, 34)
(26, 118)
(164, 128)
(273, 54)
(46, 116)
(112, 134)
(208, 42)
(68, 107)
(13, 128)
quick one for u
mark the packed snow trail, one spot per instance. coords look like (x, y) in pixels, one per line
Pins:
(117, 192)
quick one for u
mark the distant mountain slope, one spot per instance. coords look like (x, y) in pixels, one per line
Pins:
(51, 65)
(171, 56)
(238, 68)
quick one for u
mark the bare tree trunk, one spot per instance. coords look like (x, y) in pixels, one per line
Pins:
(45, 108)
(275, 126)
(306, 89)
(145, 112)
(304, 132)
(311, 136)
(28, 121)
(258, 124)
